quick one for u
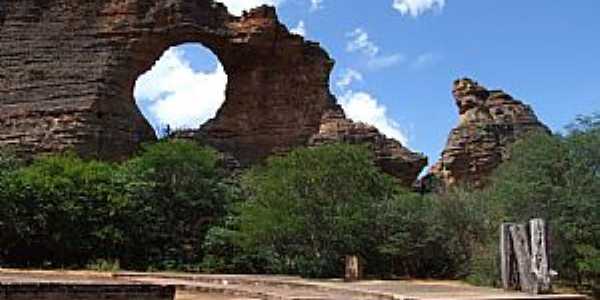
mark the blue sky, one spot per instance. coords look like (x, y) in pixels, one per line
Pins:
(397, 59)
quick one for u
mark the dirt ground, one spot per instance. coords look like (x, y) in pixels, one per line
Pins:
(189, 296)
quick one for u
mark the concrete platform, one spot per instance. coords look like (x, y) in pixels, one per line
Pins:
(288, 288)
(17, 285)
(160, 286)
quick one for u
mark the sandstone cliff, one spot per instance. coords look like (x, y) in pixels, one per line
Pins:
(391, 156)
(490, 121)
(67, 70)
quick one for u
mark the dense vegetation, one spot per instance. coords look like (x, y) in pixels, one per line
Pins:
(150, 212)
(171, 207)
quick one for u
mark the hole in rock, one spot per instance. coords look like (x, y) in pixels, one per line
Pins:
(183, 89)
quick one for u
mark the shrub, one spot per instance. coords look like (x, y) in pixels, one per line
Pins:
(9, 161)
(314, 206)
(153, 211)
(58, 212)
(177, 194)
(438, 235)
(104, 265)
(410, 243)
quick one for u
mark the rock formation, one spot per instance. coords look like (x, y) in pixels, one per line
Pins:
(68, 67)
(490, 121)
(391, 156)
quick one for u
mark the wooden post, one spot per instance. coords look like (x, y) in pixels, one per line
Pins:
(508, 264)
(352, 268)
(524, 259)
(539, 257)
(520, 242)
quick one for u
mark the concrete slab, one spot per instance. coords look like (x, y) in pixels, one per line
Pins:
(62, 286)
(250, 287)
(286, 286)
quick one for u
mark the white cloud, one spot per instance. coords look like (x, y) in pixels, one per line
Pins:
(300, 29)
(364, 107)
(381, 62)
(348, 77)
(173, 93)
(360, 41)
(316, 4)
(417, 7)
(236, 7)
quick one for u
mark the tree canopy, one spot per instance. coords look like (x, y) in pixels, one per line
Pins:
(314, 206)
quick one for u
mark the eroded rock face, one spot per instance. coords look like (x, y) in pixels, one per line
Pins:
(68, 67)
(390, 155)
(490, 121)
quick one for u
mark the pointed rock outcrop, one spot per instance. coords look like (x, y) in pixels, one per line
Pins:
(490, 122)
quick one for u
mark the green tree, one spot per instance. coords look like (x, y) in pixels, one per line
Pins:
(224, 255)
(437, 235)
(532, 183)
(314, 206)
(177, 194)
(410, 242)
(581, 216)
(57, 212)
(9, 162)
(153, 211)
(557, 178)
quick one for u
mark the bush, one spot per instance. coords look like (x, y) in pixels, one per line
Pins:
(224, 255)
(466, 220)
(410, 244)
(8, 164)
(438, 235)
(313, 207)
(177, 194)
(60, 211)
(103, 265)
(151, 212)
(9, 161)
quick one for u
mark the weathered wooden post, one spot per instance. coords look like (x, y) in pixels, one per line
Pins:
(353, 272)
(520, 242)
(539, 256)
(524, 257)
(508, 269)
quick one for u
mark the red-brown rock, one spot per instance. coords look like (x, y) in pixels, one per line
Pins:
(490, 122)
(390, 155)
(68, 67)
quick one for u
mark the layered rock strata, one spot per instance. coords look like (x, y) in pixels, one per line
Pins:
(391, 156)
(490, 122)
(68, 67)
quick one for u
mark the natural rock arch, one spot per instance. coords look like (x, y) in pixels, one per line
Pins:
(184, 88)
(68, 68)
